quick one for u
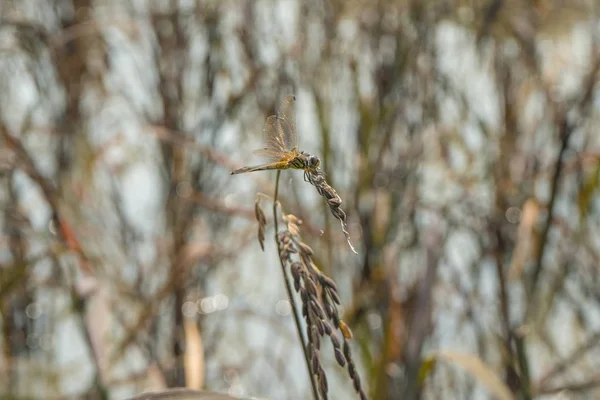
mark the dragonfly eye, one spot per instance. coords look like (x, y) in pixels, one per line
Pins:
(314, 161)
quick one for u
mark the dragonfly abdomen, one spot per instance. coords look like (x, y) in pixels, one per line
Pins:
(265, 167)
(301, 160)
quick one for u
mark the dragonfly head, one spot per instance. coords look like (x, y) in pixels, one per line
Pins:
(313, 161)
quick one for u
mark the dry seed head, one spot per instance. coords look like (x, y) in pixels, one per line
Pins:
(314, 335)
(291, 218)
(315, 360)
(259, 213)
(318, 309)
(286, 246)
(327, 327)
(292, 223)
(339, 357)
(311, 287)
(304, 248)
(323, 380)
(320, 328)
(319, 296)
(347, 351)
(356, 383)
(334, 296)
(293, 228)
(303, 296)
(334, 340)
(336, 318)
(316, 338)
(315, 269)
(261, 237)
(351, 369)
(262, 223)
(327, 281)
(334, 201)
(295, 268)
(304, 257)
(346, 331)
(331, 312)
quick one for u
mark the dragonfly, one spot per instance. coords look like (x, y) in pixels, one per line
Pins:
(281, 143)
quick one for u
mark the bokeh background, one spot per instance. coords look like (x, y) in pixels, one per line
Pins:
(463, 137)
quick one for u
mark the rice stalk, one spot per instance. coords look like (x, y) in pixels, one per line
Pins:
(320, 299)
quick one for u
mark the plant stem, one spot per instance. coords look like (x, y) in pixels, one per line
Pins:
(290, 294)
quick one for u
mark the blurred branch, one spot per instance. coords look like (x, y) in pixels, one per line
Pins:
(565, 129)
(568, 362)
(478, 370)
(421, 319)
(572, 388)
(217, 205)
(65, 230)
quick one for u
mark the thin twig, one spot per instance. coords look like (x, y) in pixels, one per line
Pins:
(569, 361)
(565, 132)
(290, 294)
(571, 388)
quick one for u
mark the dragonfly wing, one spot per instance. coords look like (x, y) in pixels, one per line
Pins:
(286, 118)
(280, 133)
(274, 135)
(270, 154)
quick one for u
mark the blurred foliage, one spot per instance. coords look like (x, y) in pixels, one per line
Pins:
(462, 137)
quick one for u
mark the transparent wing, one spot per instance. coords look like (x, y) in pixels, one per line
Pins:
(287, 122)
(270, 154)
(280, 132)
(275, 148)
